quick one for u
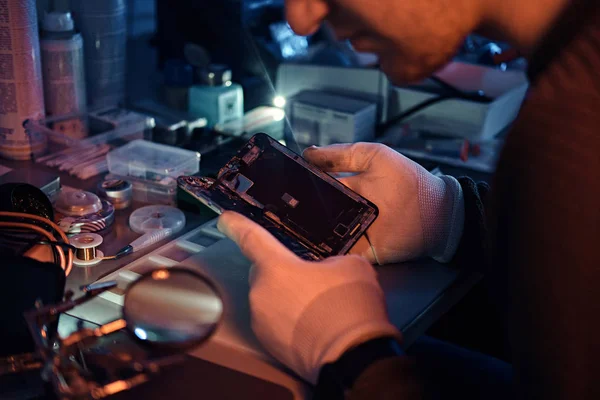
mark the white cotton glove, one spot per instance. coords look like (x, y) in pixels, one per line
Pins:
(419, 214)
(307, 314)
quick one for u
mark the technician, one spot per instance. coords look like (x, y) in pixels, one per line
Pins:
(536, 238)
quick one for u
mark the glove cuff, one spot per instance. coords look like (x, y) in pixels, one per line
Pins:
(442, 209)
(456, 219)
(336, 321)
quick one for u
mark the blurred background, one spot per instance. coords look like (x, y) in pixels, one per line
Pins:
(204, 75)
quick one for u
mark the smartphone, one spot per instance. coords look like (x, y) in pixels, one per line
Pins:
(308, 210)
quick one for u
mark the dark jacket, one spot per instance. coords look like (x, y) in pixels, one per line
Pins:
(536, 234)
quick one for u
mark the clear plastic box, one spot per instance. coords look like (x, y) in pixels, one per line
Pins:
(96, 127)
(153, 162)
(78, 143)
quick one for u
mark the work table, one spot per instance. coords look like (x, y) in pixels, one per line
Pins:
(417, 293)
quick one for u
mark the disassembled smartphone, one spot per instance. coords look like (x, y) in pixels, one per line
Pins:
(309, 211)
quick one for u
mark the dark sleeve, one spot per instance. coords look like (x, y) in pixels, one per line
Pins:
(545, 224)
(391, 378)
(376, 369)
(471, 252)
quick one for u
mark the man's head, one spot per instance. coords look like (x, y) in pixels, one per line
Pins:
(412, 38)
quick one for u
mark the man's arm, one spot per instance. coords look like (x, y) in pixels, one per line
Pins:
(471, 252)
(376, 369)
(545, 216)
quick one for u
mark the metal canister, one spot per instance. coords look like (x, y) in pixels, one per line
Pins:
(117, 191)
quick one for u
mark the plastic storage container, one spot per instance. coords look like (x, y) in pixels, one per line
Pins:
(84, 158)
(152, 162)
(104, 126)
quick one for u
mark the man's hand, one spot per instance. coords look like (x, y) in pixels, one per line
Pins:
(419, 214)
(307, 314)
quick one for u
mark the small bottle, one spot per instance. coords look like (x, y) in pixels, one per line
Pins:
(217, 99)
(63, 72)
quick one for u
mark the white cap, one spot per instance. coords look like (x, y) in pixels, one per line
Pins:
(56, 21)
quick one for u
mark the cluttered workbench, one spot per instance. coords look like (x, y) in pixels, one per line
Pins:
(417, 293)
(128, 147)
(150, 151)
(141, 148)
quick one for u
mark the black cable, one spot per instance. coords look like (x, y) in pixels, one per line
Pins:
(421, 106)
(8, 239)
(43, 225)
(478, 96)
(54, 246)
(452, 93)
(28, 242)
(413, 110)
(63, 245)
(446, 85)
(15, 239)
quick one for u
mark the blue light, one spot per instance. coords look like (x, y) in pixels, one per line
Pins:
(139, 332)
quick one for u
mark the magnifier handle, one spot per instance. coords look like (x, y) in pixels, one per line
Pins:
(150, 238)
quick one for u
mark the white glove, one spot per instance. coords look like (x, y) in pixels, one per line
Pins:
(307, 314)
(419, 214)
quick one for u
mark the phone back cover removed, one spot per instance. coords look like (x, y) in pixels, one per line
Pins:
(309, 211)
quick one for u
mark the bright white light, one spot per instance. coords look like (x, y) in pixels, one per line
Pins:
(139, 332)
(279, 101)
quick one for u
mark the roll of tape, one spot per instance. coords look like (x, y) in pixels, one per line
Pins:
(152, 218)
(87, 253)
(116, 191)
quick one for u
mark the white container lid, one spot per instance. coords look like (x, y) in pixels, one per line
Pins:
(152, 161)
(56, 21)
